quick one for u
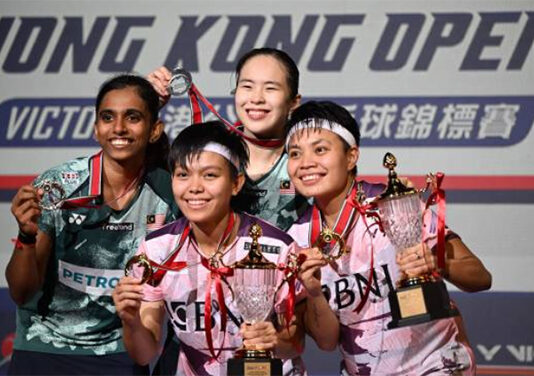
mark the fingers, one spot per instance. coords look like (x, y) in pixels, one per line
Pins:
(160, 81)
(25, 208)
(416, 260)
(127, 297)
(261, 335)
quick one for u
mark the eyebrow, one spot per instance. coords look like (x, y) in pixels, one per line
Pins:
(248, 80)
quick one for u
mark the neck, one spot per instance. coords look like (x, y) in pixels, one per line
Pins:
(262, 159)
(209, 235)
(331, 206)
(117, 177)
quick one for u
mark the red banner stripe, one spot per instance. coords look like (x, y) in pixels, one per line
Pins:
(452, 182)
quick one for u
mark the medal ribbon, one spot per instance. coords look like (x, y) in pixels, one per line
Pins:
(343, 220)
(195, 97)
(350, 207)
(438, 197)
(169, 264)
(95, 185)
(217, 275)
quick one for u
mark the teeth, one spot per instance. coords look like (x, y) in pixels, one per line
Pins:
(119, 141)
(196, 202)
(310, 177)
(256, 114)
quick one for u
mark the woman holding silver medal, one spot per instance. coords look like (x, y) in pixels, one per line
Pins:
(78, 225)
(347, 303)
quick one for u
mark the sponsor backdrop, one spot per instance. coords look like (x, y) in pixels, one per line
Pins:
(445, 85)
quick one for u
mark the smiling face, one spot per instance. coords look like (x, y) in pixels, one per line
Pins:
(319, 164)
(204, 189)
(262, 98)
(123, 126)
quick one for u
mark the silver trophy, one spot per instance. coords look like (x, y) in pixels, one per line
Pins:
(424, 297)
(180, 82)
(53, 195)
(254, 285)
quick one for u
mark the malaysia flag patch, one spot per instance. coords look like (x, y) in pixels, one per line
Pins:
(155, 221)
(286, 188)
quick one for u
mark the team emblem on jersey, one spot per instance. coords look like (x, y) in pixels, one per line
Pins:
(77, 218)
(69, 177)
(155, 221)
(286, 188)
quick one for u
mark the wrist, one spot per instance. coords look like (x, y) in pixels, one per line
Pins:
(26, 239)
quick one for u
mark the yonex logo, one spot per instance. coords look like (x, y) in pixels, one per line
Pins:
(77, 218)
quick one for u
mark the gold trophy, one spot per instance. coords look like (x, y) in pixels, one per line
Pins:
(416, 299)
(254, 285)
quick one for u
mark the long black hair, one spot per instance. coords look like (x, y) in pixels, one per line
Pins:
(156, 152)
(191, 141)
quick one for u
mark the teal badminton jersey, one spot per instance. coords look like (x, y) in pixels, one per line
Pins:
(279, 204)
(74, 312)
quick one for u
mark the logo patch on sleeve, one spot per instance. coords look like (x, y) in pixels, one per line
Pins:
(286, 188)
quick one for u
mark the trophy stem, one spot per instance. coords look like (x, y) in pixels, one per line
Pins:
(415, 281)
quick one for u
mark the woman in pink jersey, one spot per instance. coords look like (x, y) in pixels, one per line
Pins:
(207, 164)
(341, 309)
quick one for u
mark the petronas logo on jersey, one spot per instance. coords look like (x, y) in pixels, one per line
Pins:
(77, 218)
(286, 188)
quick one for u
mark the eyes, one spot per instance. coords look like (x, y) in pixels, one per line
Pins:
(296, 152)
(130, 116)
(183, 174)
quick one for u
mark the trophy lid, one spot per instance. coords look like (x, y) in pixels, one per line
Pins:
(395, 188)
(254, 259)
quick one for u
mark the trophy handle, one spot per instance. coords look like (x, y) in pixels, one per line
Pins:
(140, 260)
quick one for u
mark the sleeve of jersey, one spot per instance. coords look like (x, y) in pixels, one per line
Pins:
(284, 293)
(150, 293)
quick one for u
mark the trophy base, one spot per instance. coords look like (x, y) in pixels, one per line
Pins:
(417, 303)
(254, 367)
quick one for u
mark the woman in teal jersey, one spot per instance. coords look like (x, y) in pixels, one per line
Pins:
(67, 261)
(266, 92)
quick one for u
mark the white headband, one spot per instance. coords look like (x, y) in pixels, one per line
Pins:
(338, 129)
(223, 151)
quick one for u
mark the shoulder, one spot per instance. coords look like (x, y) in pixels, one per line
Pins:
(171, 229)
(159, 180)
(371, 189)
(268, 230)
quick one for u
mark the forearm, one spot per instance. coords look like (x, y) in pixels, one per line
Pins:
(468, 274)
(23, 273)
(142, 336)
(140, 343)
(321, 323)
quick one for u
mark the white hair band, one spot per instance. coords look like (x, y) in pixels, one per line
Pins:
(223, 151)
(338, 129)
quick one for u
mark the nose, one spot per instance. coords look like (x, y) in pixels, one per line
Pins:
(196, 185)
(307, 160)
(256, 96)
(119, 127)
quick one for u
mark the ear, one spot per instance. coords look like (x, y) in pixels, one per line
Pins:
(295, 102)
(156, 131)
(238, 184)
(352, 157)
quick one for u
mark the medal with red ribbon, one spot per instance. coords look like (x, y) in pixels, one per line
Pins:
(344, 222)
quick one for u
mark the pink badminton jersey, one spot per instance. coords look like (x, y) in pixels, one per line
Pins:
(367, 346)
(184, 294)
